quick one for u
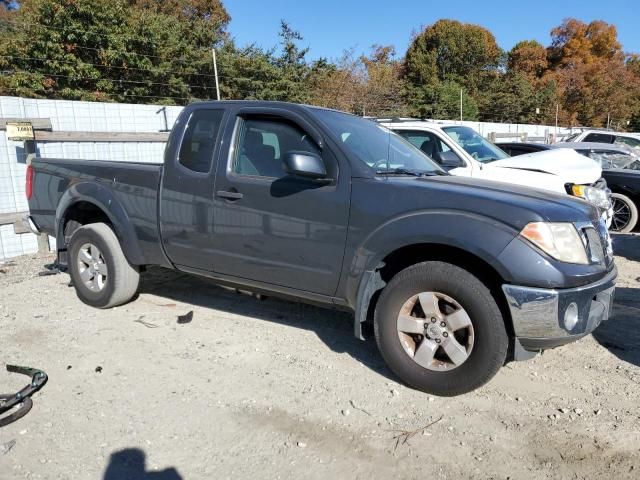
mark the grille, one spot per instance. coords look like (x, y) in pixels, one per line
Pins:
(605, 238)
(598, 242)
(596, 252)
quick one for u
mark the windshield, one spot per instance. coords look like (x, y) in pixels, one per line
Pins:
(475, 145)
(609, 159)
(376, 146)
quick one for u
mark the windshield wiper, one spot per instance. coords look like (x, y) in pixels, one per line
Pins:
(406, 171)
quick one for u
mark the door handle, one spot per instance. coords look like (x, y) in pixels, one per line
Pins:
(229, 195)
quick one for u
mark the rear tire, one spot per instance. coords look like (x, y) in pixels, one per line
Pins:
(466, 334)
(100, 273)
(625, 214)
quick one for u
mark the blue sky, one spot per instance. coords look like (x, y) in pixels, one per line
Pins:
(330, 26)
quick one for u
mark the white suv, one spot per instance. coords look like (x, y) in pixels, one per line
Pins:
(462, 151)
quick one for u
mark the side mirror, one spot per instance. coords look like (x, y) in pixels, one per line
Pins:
(449, 159)
(304, 164)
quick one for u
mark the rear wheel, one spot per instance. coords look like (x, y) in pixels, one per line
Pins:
(625, 213)
(440, 330)
(101, 274)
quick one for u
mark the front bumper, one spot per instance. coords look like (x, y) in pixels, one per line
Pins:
(547, 318)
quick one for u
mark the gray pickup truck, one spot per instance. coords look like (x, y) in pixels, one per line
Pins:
(457, 276)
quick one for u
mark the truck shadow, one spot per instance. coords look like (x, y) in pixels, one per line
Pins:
(621, 334)
(333, 327)
(626, 245)
(130, 464)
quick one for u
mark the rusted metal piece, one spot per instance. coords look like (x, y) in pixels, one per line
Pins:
(20, 403)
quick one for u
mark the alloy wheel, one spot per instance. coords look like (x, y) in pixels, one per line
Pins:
(435, 331)
(92, 267)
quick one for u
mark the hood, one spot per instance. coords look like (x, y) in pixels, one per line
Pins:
(566, 163)
(512, 204)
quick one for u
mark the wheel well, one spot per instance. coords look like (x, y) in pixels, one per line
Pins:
(82, 213)
(410, 255)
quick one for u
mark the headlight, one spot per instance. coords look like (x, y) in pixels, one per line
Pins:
(596, 196)
(560, 240)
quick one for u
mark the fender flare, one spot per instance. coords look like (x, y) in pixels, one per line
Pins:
(101, 197)
(482, 237)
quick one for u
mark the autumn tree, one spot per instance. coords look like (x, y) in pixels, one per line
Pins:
(383, 89)
(528, 58)
(337, 85)
(575, 42)
(588, 65)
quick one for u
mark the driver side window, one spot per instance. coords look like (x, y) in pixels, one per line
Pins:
(429, 143)
(261, 143)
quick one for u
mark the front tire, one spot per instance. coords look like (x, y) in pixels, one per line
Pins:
(100, 273)
(439, 329)
(625, 213)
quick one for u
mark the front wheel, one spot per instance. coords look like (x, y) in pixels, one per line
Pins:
(100, 273)
(440, 330)
(625, 213)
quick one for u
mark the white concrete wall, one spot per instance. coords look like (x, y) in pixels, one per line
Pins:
(70, 116)
(486, 128)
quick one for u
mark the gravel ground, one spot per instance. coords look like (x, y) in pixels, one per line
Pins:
(271, 389)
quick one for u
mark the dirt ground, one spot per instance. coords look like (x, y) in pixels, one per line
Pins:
(254, 388)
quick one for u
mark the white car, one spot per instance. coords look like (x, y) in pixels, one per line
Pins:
(462, 151)
(606, 136)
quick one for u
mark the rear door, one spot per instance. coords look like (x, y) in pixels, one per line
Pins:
(186, 196)
(273, 227)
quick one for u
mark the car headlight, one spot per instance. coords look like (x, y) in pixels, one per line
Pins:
(593, 195)
(560, 240)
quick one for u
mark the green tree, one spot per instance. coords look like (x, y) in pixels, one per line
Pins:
(451, 51)
(131, 51)
(442, 101)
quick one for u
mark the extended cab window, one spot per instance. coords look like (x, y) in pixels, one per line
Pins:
(262, 143)
(196, 151)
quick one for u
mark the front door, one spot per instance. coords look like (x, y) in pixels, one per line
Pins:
(273, 227)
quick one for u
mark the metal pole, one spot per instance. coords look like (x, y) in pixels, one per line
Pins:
(608, 120)
(557, 112)
(460, 105)
(215, 71)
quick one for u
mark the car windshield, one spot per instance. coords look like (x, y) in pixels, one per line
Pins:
(376, 146)
(475, 145)
(611, 159)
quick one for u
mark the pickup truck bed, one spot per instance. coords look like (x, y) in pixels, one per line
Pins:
(134, 186)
